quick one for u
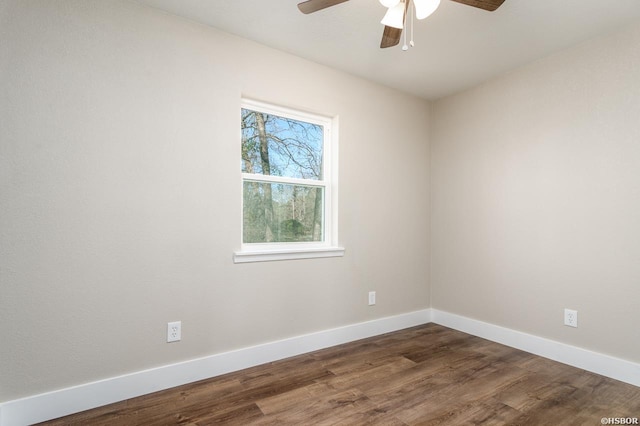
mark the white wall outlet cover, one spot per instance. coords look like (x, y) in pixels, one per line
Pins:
(570, 318)
(174, 331)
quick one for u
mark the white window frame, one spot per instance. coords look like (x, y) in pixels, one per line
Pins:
(261, 252)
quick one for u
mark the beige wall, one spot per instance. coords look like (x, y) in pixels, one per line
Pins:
(120, 194)
(536, 198)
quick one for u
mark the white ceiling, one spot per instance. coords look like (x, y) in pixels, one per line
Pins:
(456, 48)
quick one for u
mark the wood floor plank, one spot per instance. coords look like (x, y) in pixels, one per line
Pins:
(423, 375)
(369, 373)
(363, 418)
(287, 401)
(470, 413)
(527, 392)
(325, 409)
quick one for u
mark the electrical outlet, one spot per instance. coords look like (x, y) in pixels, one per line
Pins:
(571, 318)
(372, 298)
(174, 331)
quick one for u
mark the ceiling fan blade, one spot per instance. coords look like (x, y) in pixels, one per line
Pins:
(311, 6)
(489, 5)
(390, 37)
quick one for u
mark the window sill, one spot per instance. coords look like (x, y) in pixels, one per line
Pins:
(287, 254)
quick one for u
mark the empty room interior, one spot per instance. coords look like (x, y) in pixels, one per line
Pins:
(249, 212)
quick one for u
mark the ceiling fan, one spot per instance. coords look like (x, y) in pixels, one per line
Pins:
(397, 11)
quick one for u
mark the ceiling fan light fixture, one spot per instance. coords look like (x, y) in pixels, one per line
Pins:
(389, 3)
(424, 8)
(394, 16)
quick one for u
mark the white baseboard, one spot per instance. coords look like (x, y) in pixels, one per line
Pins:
(71, 400)
(605, 365)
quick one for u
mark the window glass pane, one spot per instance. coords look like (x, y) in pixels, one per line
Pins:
(279, 146)
(275, 212)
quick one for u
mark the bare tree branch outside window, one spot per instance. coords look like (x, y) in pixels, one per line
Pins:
(284, 147)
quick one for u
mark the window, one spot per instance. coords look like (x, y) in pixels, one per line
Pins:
(288, 184)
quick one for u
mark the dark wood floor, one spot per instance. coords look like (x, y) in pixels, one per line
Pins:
(427, 375)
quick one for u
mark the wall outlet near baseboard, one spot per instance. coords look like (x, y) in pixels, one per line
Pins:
(174, 331)
(372, 298)
(570, 318)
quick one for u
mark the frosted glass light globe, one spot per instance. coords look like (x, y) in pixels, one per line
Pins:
(389, 3)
